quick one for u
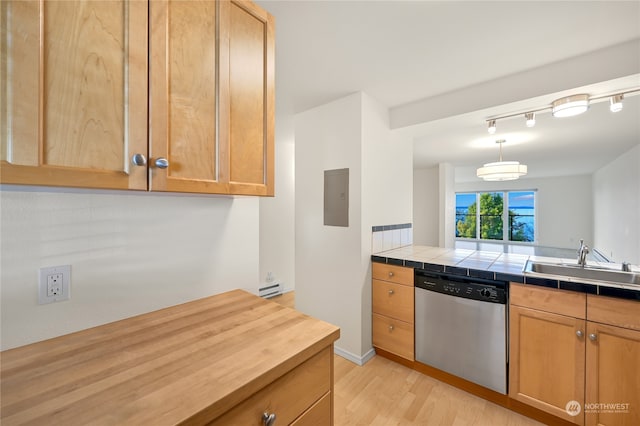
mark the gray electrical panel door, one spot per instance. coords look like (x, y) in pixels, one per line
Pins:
(336, 197)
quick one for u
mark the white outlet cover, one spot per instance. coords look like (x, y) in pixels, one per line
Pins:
(65, 294)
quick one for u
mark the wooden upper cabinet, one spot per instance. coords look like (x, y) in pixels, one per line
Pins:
(183, 118)
(74, 93)
(247, 100)
(88, 85)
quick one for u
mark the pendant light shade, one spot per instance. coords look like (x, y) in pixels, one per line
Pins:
(501, 170)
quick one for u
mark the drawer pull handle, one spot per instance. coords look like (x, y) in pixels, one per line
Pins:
(391, 292)
(391, 328)
(579, 333)
(593, 337)
(390, 273)
(268, 419)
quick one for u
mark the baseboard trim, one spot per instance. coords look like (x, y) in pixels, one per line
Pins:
(360, 360)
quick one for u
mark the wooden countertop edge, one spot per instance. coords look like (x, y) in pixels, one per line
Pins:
(232, 399)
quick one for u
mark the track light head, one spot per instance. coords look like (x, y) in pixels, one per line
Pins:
(616, 103)
(531, 119)
(491, 126)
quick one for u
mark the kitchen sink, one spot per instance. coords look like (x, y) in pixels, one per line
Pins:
(587, 272)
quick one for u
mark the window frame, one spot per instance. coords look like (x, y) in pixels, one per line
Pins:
(505, 217)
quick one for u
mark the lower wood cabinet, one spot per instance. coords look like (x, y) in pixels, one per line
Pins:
(613, 362)
(575, 356)
(393, 309)
(547, 360)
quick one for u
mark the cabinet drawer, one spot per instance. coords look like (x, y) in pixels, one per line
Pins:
(393, 300)
(393, 273)
(619, 312)
(393, 336)
(319, 414)
(561, 302)
(288, 397)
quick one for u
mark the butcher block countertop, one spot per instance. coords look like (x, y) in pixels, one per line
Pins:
(184, 364)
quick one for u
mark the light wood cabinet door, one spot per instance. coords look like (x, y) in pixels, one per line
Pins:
(613, 376)
(74, 93)
(247, 97)
(547, 361)
(183, 97)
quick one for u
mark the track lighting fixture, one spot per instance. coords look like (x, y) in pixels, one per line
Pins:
(530, 118)
(491, 126)
(566, 107)
(616, 103)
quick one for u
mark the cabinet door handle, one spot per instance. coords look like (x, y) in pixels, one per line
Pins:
(139, 160)
(390, 273)
(162, 163)
(268, 419)
(593, 337)
(579, 333)
(391, 327)
(391, 292)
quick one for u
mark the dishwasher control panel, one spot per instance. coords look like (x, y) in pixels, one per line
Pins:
(462, 286)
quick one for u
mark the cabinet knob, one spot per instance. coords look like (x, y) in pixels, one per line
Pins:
(390, 273)
(268, 419)
(579, 333)
(391, 292)
(391, 327)
(162, 163)
(593, 337)
(139, 160)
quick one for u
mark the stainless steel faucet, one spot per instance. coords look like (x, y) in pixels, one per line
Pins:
(582, 253)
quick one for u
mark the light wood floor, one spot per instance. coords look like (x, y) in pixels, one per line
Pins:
(385, 393)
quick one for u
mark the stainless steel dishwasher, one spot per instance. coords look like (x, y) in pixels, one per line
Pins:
(461, 327)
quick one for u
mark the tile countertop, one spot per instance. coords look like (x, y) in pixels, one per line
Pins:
(501, 266)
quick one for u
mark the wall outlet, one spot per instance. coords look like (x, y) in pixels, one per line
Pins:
(54, 284)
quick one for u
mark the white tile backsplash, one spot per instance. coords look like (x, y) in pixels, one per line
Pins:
(384, 239)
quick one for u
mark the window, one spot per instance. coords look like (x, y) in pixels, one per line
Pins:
(502, 216)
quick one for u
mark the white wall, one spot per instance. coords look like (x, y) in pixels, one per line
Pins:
(129, 253)
(616, 206)
(327, 260)
(277, 221)
(564, 211)
(447, 205)
(333, 278)
(425, 207)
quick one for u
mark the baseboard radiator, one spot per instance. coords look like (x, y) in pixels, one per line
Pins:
(270, 290)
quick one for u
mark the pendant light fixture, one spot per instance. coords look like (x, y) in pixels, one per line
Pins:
(501, 170)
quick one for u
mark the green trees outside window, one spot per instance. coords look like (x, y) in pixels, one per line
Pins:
(490, 218)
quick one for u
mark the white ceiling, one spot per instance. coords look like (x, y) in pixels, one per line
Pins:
(406, 54)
